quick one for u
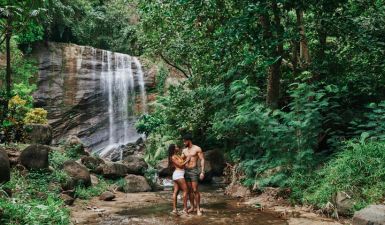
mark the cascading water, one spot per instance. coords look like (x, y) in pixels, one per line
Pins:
(121, 76)
(119, 79)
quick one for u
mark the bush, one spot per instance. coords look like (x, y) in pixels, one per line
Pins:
(37, 116)
(358, 170)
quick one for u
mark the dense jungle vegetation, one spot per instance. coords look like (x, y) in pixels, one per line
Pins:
(292, 91)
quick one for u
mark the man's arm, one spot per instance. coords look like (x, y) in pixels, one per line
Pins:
(202, 159)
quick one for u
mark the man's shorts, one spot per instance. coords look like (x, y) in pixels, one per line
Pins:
(191, 174)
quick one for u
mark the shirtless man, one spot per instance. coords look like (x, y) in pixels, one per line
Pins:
(192, 173)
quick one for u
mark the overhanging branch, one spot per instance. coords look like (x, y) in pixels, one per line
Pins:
(173, 65)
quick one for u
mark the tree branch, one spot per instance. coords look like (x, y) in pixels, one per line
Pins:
(173, 65)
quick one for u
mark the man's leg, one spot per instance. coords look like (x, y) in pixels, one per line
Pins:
(197, 196)
(191, 197)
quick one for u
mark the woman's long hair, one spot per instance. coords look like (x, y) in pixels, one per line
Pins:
(171, 152)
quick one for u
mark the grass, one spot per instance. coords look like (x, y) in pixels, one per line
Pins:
(35, 200)
(95, 190)
(359, 170)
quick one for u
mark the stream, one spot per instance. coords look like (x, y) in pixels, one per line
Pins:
(154, 208)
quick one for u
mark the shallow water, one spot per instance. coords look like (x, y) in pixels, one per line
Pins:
(218, 209)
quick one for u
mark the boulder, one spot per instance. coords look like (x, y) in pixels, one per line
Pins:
(5, 171)
(135, 164)
(78, 173)
(134, 183)
(94, 180)
(38, 134)
(114, 170)
(35, 157)
(163, 169)
(216, 160)
(73, 141)
(13, 155)
(94, 164)
(68, 185)
(107, 196)
(344, 203)
(68, 200)
(371, 215)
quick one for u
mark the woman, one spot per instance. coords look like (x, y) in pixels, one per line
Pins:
(176, 163)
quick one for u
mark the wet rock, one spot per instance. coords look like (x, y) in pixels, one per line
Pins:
(68, 200)
(94, 164)
(78, 173)
(107, 196)
(35, 157)
(134, 183)
(114, 170)
(344, 203)
(163, 169)
(371, 215)
(135, 165)
(5, 171)
(39, 134)
(237, 191)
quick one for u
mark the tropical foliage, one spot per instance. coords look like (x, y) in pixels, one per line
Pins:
(278, 85)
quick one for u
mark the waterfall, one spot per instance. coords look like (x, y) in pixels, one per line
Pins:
(118, 85)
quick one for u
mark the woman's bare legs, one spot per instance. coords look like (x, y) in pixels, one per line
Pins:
(175, 196)
(183, 186)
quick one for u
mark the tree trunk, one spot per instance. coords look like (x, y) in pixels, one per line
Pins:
(274, 76)
(8, 58)
(304, 49)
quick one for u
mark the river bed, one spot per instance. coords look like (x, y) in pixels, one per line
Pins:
(153, 208)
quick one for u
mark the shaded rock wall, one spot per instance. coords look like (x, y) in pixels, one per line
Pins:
(69, 88)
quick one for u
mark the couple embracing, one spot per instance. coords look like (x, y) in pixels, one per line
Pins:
(186, 174)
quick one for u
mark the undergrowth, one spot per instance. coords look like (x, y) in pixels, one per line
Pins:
(358, 170)
(35, 200)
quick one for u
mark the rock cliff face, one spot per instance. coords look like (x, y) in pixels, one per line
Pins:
(92, 93)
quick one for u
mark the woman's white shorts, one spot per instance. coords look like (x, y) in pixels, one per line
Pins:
(178, 174)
